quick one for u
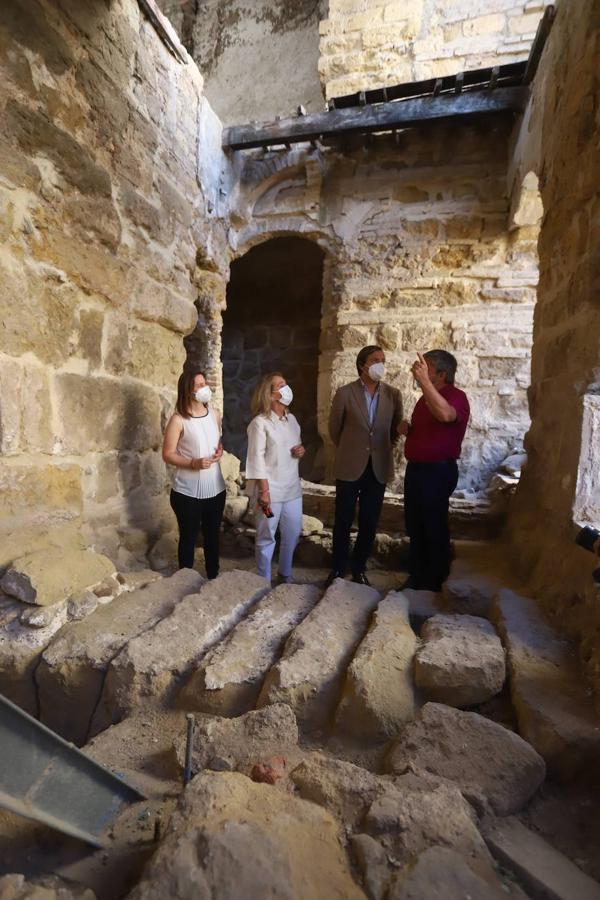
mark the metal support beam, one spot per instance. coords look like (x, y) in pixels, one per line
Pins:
(379, 117)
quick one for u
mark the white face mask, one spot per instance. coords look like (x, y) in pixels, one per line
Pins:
(286, 394)
(203, 394)
(376, 371)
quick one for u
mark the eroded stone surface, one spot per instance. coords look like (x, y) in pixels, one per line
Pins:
(310, 672)
(18, 887)
(240, 743)
(554, 713)
(378, 691)
(46, 577)
(150, 667)
(485, 760)
(229, 679)
(72, 670)
(461, 662)
(440, 873)
(233, 838)
(470, 595)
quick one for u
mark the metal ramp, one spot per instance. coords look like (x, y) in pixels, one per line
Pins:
(45, 778)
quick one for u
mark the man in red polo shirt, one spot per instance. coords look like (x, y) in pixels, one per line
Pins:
(433, 441)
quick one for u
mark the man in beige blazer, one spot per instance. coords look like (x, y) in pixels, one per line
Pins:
(363, 426)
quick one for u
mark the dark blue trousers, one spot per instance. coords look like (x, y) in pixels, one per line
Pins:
(368, 491)
(427, 489)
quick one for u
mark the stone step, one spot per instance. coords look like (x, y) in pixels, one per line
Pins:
(310, 673)
(544, 872)
(229, 679)
(72, 669)
(554, 712)
(461, 662)
(378, 693)
(149, 669)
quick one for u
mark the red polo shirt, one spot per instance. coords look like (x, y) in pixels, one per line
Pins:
(431, 441)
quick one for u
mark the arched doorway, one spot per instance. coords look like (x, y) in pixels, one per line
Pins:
(272, 323)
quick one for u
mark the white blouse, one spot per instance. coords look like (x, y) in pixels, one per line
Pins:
(200, 437)
(270, 441)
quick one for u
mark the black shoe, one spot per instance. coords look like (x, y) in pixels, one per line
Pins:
(331, 578)
(360, 578)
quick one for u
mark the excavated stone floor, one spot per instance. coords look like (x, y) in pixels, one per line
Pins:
(354, 742)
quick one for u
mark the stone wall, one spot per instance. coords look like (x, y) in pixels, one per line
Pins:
(560, 142)
(103, 210)
(418, 254)
(371, 43)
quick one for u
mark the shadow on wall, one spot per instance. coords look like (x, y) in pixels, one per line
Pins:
(272, 323)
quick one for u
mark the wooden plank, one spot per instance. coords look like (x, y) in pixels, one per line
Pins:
(382, 117)
(164, 29)
(539, 41)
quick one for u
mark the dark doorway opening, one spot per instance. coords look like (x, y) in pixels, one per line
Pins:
(272, 323)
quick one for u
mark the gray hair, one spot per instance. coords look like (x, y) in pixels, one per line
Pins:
(443, 362)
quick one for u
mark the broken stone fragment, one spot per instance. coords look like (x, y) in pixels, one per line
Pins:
(43, 616)
(256, 736)
(50, 576)
(269, 772)
(232, 838)
(235, 509)
(471, 595)
(440, 873)
(81, 605)
(482, 758)
(16, 887)
(461, 662)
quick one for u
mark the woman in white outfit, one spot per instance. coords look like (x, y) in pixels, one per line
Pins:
(274, 450)
(192, 443)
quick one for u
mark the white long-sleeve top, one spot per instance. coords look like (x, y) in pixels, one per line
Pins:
(270, 442)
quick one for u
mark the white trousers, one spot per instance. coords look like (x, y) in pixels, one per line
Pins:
(288, 516)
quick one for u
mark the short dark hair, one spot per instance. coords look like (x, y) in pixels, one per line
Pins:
(443, 362)
(364, 354)
(185, 388)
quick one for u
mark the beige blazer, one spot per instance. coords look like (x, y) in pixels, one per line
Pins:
(355, 441)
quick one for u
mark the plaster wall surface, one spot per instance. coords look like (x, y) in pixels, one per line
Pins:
(372, 43)
(559, 140)
(259, 59)
(103, 209)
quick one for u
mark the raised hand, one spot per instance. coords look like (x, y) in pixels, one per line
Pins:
(419, 370)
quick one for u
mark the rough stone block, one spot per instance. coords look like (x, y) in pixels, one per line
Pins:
(20, 651)
(486, 761)
(440, 873)
(46, 577)
(542, 870)
(235, 509)
(378, 693)
(260, 842)
(149, 668)
(461, 662)
(238, 744)
(554, 712)
(228, 681)
(126, 414)
(310, 673)
(72, 670)
(471, 595)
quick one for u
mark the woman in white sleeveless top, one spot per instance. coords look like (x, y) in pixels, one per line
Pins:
(192, 443)
(274, 451)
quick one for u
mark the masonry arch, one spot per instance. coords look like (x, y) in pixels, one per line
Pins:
(272, 322)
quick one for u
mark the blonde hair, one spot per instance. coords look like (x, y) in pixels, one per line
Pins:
(261, 398)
